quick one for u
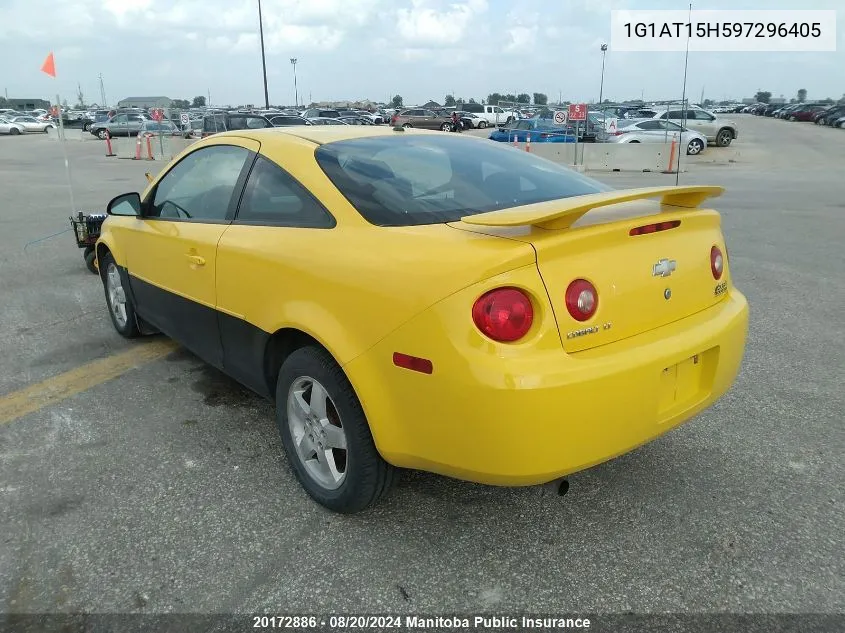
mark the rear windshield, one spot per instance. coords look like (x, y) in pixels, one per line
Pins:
(428, 179)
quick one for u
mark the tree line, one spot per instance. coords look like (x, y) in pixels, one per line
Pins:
(764, 96)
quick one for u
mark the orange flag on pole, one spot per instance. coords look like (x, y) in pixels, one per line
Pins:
(49, 66)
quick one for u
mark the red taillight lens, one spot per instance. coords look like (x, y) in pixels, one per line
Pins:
(582, 300)
(504, 314)
(654, 228)
(717, 262)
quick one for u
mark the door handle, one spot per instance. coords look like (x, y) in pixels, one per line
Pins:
(196, 259)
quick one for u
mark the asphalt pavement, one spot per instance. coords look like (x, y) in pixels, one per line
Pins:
(164, 489)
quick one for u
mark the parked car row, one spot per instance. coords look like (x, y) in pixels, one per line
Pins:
(818, 113)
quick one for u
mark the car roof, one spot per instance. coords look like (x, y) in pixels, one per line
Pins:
(320, 134)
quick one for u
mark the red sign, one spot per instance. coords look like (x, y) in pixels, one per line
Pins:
(158, 114)
(577, 111)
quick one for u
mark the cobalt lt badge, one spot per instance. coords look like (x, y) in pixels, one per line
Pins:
(664, 268)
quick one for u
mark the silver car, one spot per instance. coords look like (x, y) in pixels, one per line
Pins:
(123, 124)
(7, 127)
(656, 131)
(717, 130)
(31, 124)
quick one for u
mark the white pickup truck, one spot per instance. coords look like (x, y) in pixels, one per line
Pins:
(489, 114)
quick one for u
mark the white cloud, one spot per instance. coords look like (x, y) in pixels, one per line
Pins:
(424, 25)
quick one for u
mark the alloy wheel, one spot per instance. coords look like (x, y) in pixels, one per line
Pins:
(317, 432)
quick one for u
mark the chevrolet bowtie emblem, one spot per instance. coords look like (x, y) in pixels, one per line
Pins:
(664, 268)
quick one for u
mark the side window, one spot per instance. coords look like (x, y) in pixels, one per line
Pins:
(274, 197)
(236, 123)
(699, 115)
(676, 114)
(200, 186)
(498, 110)
(652, 125)
(523, 125)
(120, 118)
(254, 123)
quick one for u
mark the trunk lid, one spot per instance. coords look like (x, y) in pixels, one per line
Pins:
(643, 281)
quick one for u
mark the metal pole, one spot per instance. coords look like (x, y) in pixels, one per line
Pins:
(601, 86)
(683, 104)
(263, 60)
(601, 91)
(295, 89)
(103, 92)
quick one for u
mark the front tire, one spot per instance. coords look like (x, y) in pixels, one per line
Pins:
(446, 127)
(482, 124)
(121, 308)
(326, 435)
(102, 134)
(14, 131)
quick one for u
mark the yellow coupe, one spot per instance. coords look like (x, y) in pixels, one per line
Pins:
(430, 301)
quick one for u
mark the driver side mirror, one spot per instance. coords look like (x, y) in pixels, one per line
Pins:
(127, 204)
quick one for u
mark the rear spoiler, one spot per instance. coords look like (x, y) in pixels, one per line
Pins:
(563, 213)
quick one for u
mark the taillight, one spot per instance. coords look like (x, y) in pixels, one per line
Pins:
(504, 314)
(582, 299)
(717, 262)
(654, 228)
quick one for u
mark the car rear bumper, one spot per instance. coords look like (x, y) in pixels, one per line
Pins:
(532, 418)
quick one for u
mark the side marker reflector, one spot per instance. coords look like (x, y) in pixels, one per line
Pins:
(414, 363)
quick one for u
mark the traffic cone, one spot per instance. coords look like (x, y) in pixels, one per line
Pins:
(149, 149)
(672, 150)
(138, 148)
(109, 151)
(528, 143)
(515, 144)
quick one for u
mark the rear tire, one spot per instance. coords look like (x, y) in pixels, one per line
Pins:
(358, 477)
(91, 259)
(446, 127)
(724, 137)
(695, 147)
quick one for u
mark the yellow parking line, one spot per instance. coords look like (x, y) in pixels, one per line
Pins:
(48, 392)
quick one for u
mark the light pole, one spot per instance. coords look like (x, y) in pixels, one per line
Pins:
(263, 60)
(601, 87)
(295, 90)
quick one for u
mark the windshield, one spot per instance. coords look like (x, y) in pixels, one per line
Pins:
(427, 179)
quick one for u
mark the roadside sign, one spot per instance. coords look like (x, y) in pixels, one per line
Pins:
(577, 111)
(560, 117)
(185, 119)
(158, 114)
(611, 125)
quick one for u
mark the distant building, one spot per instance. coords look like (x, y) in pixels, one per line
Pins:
(145, 102)
(28, 104)
(431, 105)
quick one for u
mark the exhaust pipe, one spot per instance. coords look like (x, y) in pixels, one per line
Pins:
(558, 486)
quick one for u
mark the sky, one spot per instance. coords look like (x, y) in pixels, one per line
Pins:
(374, 49)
